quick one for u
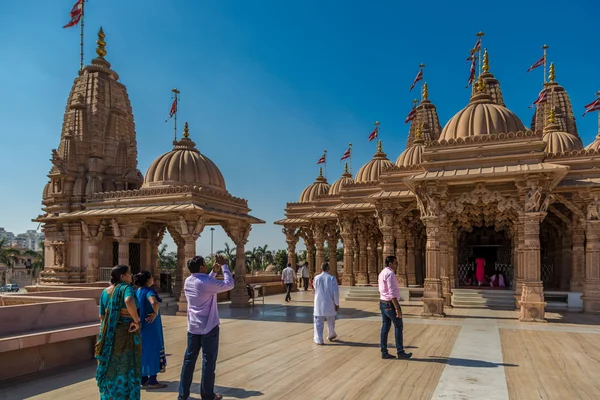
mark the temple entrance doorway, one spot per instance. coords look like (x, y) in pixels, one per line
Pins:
(486, 243)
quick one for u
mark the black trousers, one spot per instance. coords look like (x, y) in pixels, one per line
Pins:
(305, 281)
(288, 291)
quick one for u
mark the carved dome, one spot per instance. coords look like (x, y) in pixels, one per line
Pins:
(318, 188)
(184, 165)
(345, 179)
(371, 170)
(560, 142)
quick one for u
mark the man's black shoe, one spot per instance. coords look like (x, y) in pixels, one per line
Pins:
(404, 355)
(387, 356)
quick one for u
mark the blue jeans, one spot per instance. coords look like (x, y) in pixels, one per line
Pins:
(388, 316)
(209, 343)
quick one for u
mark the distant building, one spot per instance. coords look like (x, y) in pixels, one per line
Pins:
(8, 236)
(28, 240)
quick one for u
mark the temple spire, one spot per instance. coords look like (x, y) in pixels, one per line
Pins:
(425, 92)
(486, 62)
(186, 130)
(552, 73)
(552, 116)
(346, 168)
(101, 49)
(379, 146)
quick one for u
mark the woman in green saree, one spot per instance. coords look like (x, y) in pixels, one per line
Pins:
(119, 347)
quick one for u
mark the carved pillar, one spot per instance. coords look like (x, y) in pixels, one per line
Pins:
(520, 267)
(319, 238)
(372, 259)
(93, 233)
(155, 241)
(578, 263)
(380, 257)
(332, 244)
(411, 276)
(401, 257)
(452, 256)
(346, 231)
(567, 258)
(362, 257)
(177, 288)
(310, 255)
(444, 263)
(385, 219)
(532, 297)
(291, 239)
(239, 232)
(591, 284)
(433, 303)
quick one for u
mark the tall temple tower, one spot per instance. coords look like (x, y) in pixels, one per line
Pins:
(98, 149)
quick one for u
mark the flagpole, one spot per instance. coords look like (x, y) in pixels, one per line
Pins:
(545, 48)
(377, 129)
(598, 95)
(176, 98)
(422, 66)
(350, 145)
(81, 37)
(325, 155)
(480, 36)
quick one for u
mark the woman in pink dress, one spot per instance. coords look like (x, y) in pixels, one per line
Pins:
(480, 269)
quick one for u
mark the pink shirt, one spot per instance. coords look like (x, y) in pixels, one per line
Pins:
(388, 285)
(201, 293)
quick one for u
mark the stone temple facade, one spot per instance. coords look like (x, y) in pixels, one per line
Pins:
(99, 210)
(484, 185)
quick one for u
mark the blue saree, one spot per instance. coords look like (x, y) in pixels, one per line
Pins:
(153, 344)
(118, 352)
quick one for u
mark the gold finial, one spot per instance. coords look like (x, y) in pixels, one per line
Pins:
(346, 168)
(101, 49)
(425, 92)
(552, 116)
(186, 130)
(419, 133)
(552, 73)
(320, 172)
(379, 146)
(481, 86)
(486, 61)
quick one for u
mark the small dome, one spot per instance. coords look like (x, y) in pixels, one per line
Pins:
(46, 192)
(595, 145)
(371, 170)
(318, 188)
(184, 165)
(271, 268)
(481, 117)
(345, 179)
(560, 142)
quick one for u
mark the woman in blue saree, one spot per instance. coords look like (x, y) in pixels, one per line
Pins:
(119, 348)
(153, 343)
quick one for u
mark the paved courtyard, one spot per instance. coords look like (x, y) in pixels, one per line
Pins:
(266, 352)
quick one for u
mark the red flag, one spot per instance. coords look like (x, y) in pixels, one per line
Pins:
(173, 110)
(418, 78)
(347, 154)
(475, 49)
(593, 106)
(472, 71)
(374, 134)
(538, 63)
(411, 115)
(321, 160)
(542, 98)
(75, 14)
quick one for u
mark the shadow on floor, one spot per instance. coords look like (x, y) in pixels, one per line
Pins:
(340, 342)
(463, 362)
(236, 393)
(287, 313)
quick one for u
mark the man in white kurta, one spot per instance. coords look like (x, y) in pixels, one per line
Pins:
(327, 300)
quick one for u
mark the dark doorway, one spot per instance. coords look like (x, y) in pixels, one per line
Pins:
(134, 256)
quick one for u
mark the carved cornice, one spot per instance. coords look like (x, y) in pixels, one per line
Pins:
(494, 137)
(144, 192)
(574, 153)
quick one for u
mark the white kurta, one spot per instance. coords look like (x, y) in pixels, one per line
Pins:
(327, 295)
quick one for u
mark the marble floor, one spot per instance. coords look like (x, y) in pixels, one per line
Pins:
(266, 352)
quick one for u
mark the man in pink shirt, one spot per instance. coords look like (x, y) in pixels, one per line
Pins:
(389, 293)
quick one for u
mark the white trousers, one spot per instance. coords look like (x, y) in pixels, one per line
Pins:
(320, 325)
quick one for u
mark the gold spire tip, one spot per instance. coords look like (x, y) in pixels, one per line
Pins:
(320, 172)
(376, 123)
(552, 73)
(379, 146)
(425, 92)
(480, 34)
(544, 47)
(101, 49)
(481, 86)
(186, 130)
(486, 61)
(419, 132)
(346, 167)
(175, 91)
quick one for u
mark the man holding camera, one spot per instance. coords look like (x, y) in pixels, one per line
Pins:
(201, 291)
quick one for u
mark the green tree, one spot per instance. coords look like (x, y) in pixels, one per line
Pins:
(166, 260)
(229, 253)
(280, 259)
(8, 253)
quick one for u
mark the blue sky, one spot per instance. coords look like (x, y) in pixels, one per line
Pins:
(266, 85)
